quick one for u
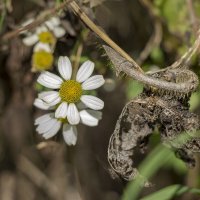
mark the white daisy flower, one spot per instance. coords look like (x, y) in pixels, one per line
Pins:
(39, 103)
(48, 126)
(67, 92)
(46, 33)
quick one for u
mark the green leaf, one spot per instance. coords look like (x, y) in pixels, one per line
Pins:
(148, 168)
(194, 101)
(133, 89)
(157, 55)
(159, 157)
(177, 165)
(169, 9)
(170, 192)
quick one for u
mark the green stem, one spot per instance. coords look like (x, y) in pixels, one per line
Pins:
(77, 51)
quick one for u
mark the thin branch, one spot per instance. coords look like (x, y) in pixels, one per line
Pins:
(183, 62)
(156, 37)
(77, 10)
(77, 59)
(38, 177)
(41, 19)
(193, 17)
(185, 59)
(154, 41)
(191, 178)
(78, 49)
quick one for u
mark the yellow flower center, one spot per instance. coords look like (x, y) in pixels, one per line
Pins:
(70, 91)
(42, 60)
(47, 37)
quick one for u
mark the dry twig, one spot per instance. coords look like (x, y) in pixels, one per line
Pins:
(38, 177)
(77, 10)
(41, 19)
(156, 37)
(193, 17)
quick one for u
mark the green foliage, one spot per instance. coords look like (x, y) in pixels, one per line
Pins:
(177, 165)
(148, 168)
(133, 89)
(58, 2)
(169, 10)
(39, 87)
(170, 192)
(197, 7)
(159, 157)
(157, 55)
(194, 101)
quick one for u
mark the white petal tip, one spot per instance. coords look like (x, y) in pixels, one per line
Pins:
(93, 82)
(85, 71)
(64, 67)
(70, 134)
(73, 114)
(92, 102)
(61, 111)
(88, 119)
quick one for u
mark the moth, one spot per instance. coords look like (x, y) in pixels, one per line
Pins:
(163, 104)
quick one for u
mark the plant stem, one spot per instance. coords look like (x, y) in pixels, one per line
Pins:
(102, 34)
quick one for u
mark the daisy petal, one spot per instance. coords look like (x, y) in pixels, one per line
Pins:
(41, 29)
(92, 102)
(53, 130)
(65, 67)
(42, 47)
(59, 32)
(49, 25)
(95, 113)
(61, 111)
(30, 40)
(41, 104)
(55, 21)
(70, 134)
(42, 95)
(81, 106)
(85, 71)
(93, 82)
(88, 119)
(50, 97)
(46, 126)
(43, 118)
(49, 80)
(73, 114)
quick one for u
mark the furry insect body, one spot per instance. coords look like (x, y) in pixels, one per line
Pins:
(177, 76)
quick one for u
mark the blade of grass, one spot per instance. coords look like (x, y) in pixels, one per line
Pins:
(2, 18)
(170, 192)
(155, 160)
